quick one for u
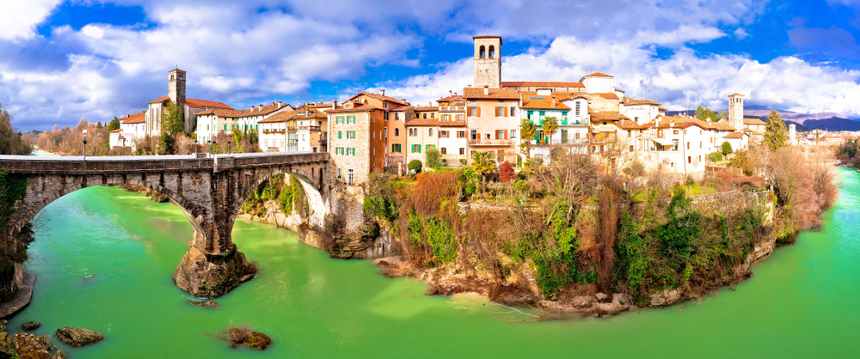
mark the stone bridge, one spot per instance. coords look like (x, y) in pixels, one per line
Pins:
(210, 191)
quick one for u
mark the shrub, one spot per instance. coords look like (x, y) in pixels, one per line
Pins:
(506, 172)
(433, 158)
(726, 148)
(715, 157)
(431, 189)
(415, 165)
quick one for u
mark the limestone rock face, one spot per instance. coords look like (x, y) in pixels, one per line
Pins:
(29, 346)
(209, 276)
(78, 337)
(666, 297)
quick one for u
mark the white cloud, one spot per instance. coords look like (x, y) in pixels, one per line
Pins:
(18, 19)
(681, 81)
(740, 33)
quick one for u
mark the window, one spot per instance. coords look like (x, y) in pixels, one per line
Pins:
(577, 108)
(430, 132)
(500, 111)
(513, 133)
(542, 114)
(688, 145)
(689, 159)
(350, 176)
(429, 146)
(416, 148)
(462, 151)
(631, 148)
(674, 132)
(432, 115)
(339, 134)
(444, 150)
(396, 132)
(474, 134)
(700, 145)
(443, 134)
(461, 134)
(513, 111)
(339, 173)
(473, 111)
(460, 117)
(338, 120)
(500, 134)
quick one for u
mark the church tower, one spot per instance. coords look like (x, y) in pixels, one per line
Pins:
(488, 61)
(736, 111)
(176, 86)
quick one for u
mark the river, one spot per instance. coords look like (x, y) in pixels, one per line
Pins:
(105, 262)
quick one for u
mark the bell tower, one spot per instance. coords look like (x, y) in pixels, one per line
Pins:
(176, 86)
(736, 111)
(488, 61)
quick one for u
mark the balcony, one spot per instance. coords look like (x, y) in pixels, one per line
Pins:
(486, 142)
(274, 132)
(309, 128)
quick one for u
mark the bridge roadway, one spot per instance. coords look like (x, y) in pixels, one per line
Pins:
(209, 189)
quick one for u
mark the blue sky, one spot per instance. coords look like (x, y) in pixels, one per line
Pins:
(61, 61)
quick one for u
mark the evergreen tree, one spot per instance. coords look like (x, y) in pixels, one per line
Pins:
(433, 158)
(113, 125)
(173, 120)
(726, 148)
(775, 133)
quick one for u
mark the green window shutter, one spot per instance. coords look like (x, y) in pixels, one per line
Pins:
(338, 134)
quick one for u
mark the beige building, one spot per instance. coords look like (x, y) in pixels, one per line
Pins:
(449, 137)
(493, 122)
(358, 138)
(176, 94)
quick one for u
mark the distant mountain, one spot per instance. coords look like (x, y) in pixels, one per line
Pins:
(829, 121)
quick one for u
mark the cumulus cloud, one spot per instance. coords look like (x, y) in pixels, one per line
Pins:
(681, 81)
(18, 19)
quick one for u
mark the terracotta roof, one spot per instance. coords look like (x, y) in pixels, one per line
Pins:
(597, 74)
(609, 95)
(311, 113)
(426, 108)
(494, 93)
(451, 98)
(736, 94)
(608, 116)
(452, 123)
(629, 101)
(356, 107)
(423, 122)
(629, 125)
(734, 135)
(605, 137)
(115, 131)
(531, 100)
(577, 95)
(721, 126)
(176, 69)
(195, 103)
(752, 121)
(280, 117)
(751, 132)
(398, 108)
(681, 122)
(541, 83)
(379, 97)
(619, 90)
(222, 112)
(662, 108)
(133, 118)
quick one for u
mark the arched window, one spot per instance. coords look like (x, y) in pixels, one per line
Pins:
(492, 52)
(397, 132)
(483, 52)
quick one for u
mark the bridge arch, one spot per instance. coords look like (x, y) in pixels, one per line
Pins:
(44, 190)
(310, 177)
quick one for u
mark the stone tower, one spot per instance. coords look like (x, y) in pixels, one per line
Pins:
(176, 86)
(736, 111)
(488, 61)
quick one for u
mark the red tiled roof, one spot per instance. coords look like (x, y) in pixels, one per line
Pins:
(681, 122)
(531, 100)
(721, 126)
(734, 135)
(356, 107)
(752, 121)
(598, 74)
(451, 98)
(662, 108)
(426, 108)
(280, 117)
(608, 116)
(133, 118)
(494, 93)
(115, 131)
(195, 103)
(619, 90)
(379, 97)
(223, 112)
(629, 101)
(541, 83)
(398, 108)
(609, 96)
(736, 94)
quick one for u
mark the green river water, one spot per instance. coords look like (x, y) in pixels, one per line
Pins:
(106, 258)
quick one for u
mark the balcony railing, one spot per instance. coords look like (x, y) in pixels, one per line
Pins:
(487, 142)
(274, 132)
(309, 128)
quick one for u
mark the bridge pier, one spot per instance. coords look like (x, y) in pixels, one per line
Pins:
(210, 275)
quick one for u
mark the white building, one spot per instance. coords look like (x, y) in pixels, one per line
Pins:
(131, 128)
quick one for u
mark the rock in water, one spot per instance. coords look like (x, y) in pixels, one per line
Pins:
(258, 340)
(206, 303)
(78, 337)
(31, 325)
(29, 346)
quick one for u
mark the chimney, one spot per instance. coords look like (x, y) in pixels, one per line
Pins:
(334, 104)
(470, 85)
(252, 108)
(403, 99)
(383, 92)
(486, 90)
(450, 93)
